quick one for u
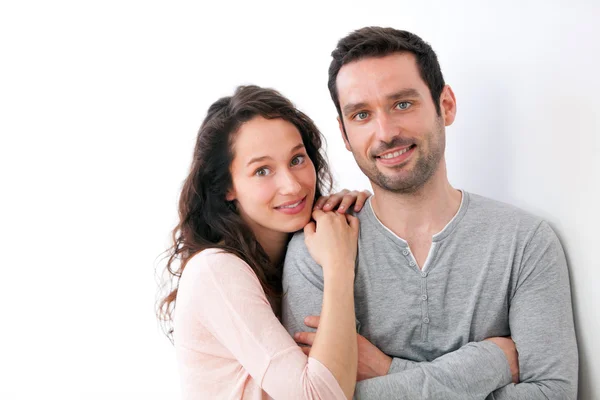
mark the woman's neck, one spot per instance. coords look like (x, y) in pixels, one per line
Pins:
(274, 243)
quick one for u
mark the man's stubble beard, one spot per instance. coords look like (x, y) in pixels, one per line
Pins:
(423, 170)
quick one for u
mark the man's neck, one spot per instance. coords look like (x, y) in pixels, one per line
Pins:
(424, 212)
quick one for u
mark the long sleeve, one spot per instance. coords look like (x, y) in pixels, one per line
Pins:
(471, 372)
(541, 324)
(222, 293)
(539, 319)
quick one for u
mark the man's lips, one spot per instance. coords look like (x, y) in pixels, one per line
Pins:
(396, 156)
(394, 152)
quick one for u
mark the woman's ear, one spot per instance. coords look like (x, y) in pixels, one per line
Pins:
(230, 196)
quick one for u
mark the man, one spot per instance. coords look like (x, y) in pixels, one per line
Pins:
(449, 285)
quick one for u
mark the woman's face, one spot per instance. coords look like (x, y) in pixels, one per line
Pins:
(273, 177)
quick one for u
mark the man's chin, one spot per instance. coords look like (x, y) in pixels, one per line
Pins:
(397, 185)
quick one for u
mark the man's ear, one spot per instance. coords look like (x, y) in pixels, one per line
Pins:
(448, 105)
(343, 132)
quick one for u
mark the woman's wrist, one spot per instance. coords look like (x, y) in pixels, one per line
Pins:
(339, 270)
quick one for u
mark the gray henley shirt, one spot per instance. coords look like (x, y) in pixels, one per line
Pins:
(494, 270)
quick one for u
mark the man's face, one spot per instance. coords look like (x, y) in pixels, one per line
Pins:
(392, 127)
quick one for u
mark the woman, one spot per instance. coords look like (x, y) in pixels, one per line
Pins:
(254, 177)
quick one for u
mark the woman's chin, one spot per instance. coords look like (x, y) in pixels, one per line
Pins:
(297, 225)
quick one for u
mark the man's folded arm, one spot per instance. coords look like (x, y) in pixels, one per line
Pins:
(473, 371)
(541, 323)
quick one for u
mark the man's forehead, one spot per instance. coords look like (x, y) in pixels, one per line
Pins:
(378, 75)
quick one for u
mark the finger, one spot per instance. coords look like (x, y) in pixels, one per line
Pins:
(353, 222)
(305, 337)
(319, 203)
(334, 200)
(361, 199)
(316, 214)
(309, 229)
(306, 349)
(312, 321)
(347, 201)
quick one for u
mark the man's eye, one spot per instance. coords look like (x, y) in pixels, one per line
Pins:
(403, 105)
(361, 115)
(297, 160)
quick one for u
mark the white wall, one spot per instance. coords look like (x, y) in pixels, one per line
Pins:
(100, 104)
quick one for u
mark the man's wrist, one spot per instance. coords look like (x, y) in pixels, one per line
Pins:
(384, 365)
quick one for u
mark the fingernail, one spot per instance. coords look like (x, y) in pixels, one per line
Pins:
(341, 208)
(296, 335)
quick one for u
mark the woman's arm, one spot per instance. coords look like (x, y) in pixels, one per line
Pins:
(332, 242)
(220, 292)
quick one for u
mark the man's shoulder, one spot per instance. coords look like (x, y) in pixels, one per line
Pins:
(297, 246)
(488, 211)
(299, 266)
(297, 256)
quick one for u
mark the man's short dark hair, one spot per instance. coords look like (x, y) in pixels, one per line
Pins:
(379, 42)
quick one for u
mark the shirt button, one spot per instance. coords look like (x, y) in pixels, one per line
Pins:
(424, 274)
(424, 297)
(412, 263)
(426, 320)
(405, 252)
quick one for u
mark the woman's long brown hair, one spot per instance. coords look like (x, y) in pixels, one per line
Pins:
(206, 219)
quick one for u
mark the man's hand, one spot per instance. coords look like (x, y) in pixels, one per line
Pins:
(372, 362)
(510, 350)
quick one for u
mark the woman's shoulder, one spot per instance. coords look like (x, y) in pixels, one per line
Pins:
(217, 264)
(213, 255)
(215, 279)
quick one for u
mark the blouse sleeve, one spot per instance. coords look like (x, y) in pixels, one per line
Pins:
(230, 302)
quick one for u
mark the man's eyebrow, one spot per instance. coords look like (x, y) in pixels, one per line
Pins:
(352, 107)
(403, 94)
(262, 158)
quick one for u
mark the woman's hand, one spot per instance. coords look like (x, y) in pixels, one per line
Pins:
(332, 239)
(343, 201)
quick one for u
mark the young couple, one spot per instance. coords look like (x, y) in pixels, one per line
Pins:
(454, 295)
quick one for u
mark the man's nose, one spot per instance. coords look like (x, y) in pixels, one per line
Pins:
(386, 128)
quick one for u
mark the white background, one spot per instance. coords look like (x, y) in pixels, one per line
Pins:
(99, 107)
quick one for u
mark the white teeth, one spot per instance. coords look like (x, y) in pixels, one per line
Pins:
(291, 205)
(395, 154)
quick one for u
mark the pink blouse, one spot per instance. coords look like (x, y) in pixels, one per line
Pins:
(230, 344)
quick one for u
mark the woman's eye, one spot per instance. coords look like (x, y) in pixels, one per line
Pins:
(361, 115)
(262, 172)
(297, 160)
(403, 105)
